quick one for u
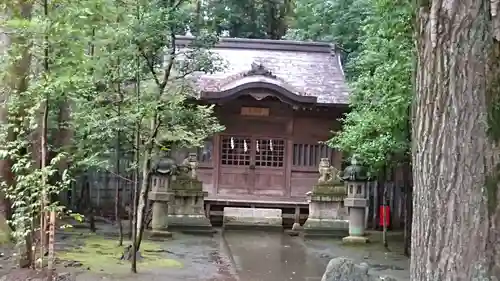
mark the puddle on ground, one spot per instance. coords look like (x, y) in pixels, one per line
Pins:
(272, 257)
(278, 257)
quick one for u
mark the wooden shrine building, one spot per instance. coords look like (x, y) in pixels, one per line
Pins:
(277, 100)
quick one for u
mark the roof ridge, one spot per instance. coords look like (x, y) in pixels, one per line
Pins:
(265, 44)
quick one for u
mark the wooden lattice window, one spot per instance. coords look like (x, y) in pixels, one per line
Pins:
(235, 151)
(308, 155)
(269, 152)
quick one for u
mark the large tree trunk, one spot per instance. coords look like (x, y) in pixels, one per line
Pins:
(456, 132)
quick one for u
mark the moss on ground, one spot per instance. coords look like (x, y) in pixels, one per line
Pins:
(102, 254)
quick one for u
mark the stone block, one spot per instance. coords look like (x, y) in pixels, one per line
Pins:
(325, 198)
(355, 240)
(159, 235)
(334, 190)
(182, 183)
(317, 227)
(326, 219)
(356, 202)
(252, 218)
(160, 196)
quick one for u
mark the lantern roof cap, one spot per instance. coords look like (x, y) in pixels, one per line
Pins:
(355, 171)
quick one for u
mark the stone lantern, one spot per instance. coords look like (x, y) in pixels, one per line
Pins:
(355, 178)
(326, 213)
(162, 170)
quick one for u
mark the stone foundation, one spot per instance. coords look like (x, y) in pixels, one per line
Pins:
(326, 213)
(252, 218)
(187, 209)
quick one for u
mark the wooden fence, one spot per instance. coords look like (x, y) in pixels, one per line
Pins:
(395, 201)
(102, 196)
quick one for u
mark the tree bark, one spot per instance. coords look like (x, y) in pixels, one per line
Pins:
(456, 132)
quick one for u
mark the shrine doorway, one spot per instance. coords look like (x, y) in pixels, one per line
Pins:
(252, 165)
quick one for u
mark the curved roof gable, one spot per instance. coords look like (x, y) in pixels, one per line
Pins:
(309, 70)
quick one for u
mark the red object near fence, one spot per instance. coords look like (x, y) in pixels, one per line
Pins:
(385, 215)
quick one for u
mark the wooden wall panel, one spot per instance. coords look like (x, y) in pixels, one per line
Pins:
(304, 127)
(254, 126)
(234, 181)
(270, 183)
(302, 182)
(206, 177)
(313, 129)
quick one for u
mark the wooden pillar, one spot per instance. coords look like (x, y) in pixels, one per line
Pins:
(297, 214)
(288, 167)
(375, 204)
(289, 158)
(337, 159)
(207, 210)
(216, 163)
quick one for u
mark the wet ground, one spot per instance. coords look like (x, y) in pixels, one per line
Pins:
(248, 256)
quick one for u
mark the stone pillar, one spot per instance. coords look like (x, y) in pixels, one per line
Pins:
(326, 213)
(160, 198)
(356, 182)
(187, 208)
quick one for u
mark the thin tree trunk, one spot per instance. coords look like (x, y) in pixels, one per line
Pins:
(44, 150)
(43, 205)
(134, 210)
(51, 249)
(408, 208)
(118, 182)
(384, 218)
(456, 133)
(142, 206)
(137, 160)
(90, 206)
(130, 211)
(117, 211)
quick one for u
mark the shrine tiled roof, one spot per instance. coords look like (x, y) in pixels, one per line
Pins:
(303, 68)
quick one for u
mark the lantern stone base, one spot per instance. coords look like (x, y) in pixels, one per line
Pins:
(159, 234)
(187, 210)
(159, 222)
(326, 214)
(326, 228)
(355, 240)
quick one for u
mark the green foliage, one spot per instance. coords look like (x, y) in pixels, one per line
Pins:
(375, 37)
(246, 19)
(113, 67)
(336, 21)
(377, 127)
